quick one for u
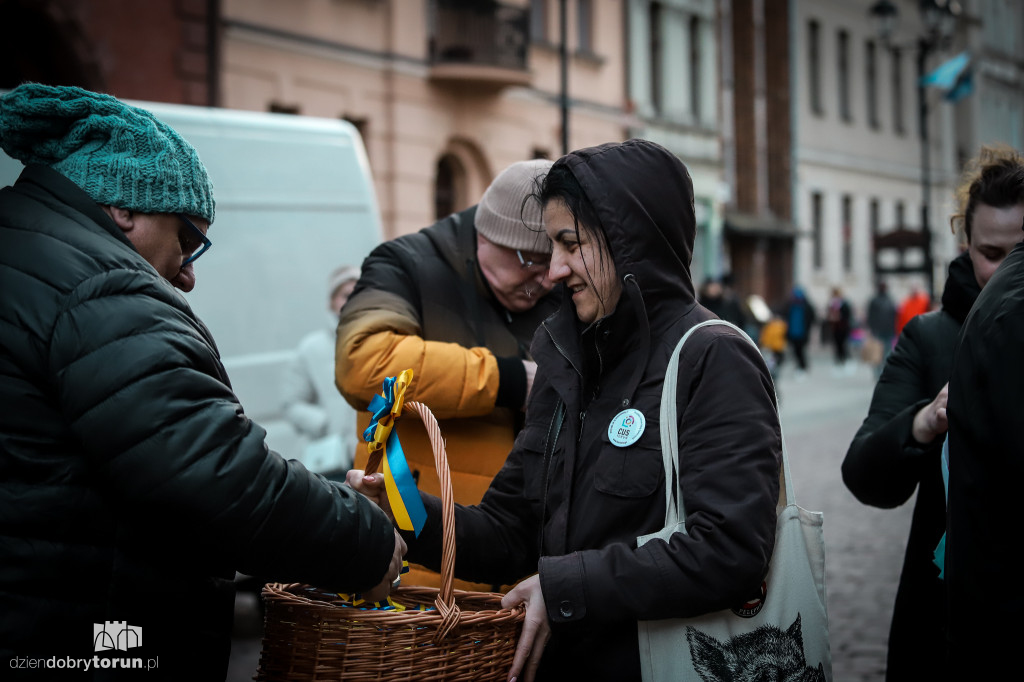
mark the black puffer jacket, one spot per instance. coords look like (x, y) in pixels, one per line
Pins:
(885, 465)
(986, 467)
(577, 525)
(132, 485)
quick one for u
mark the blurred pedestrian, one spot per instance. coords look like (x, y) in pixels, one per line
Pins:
(916, 303)
(773, 341)
(311, 401)
(898, 447)
(723, 302)
(881, 321)
(132, 483)
(838, 316)
(458, 303)
(800, 319)
(622, 222)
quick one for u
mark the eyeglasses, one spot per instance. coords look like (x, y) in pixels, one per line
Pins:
(530, 264)
(192, 240)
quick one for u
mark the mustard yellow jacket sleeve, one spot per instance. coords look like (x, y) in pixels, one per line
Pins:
(379, 336)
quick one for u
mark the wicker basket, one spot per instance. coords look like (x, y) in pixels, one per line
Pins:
(311, 634)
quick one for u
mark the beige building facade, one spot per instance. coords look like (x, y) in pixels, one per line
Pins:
(445, 93)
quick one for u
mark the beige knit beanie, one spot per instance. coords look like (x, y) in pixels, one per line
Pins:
(503, 218)
(345, 273)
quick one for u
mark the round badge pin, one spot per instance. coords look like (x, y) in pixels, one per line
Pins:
(626, 428)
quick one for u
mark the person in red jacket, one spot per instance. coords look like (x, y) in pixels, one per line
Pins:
(917, 303)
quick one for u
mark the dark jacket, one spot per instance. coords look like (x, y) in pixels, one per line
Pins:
(132, 485)
(575, 519)
(882, 316)
(800, 318)
(885, 465)
(986, 467)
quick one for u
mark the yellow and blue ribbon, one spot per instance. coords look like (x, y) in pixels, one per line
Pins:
(404, 498)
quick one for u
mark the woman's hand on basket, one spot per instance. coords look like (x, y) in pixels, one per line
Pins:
(381, 592)
(372, 486)
(536, 629)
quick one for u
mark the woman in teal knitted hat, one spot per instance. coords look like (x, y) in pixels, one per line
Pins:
(132, 484)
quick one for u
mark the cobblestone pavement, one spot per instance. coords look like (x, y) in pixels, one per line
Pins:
(864, 546)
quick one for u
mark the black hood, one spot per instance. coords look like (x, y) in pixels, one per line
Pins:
(643, 196)
(961, 288)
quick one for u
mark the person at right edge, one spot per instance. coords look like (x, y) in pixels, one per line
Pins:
(986, 392)
(898, 447)
(458, 303)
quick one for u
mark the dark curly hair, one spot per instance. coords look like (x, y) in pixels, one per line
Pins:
(994, 177)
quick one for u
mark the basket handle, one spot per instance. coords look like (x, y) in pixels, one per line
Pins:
(445, 601)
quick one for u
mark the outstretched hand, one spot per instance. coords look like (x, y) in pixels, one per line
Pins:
(536, 629)
(930, 421)
(372, 486)
(383, 589)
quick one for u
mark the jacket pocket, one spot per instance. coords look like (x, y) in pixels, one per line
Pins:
(633, 471)
(530, 445)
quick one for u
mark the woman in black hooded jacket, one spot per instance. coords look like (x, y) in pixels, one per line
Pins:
(621, 220)
(898, 447)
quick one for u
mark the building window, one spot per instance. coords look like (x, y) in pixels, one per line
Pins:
(816, 229)
(360, 123)
(874, 217)
(847, 233)
(585, 26)
(901, 215)
(871, 83)
(281, 108)
(843, 68)
(362, 126)
(538, 21)
(897, 92)
(696, 66)
(655, 14)
(814, 65)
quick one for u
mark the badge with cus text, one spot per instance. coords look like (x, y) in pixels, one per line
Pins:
(626, 428)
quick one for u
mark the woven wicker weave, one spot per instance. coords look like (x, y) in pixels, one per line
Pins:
(311, 635)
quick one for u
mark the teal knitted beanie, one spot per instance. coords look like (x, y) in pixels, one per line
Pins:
(119, 154)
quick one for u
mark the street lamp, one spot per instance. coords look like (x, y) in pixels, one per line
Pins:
(939, 19)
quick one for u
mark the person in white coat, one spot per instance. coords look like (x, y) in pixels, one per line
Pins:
(312, 403)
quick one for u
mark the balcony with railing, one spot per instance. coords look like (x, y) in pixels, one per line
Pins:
(479, 43)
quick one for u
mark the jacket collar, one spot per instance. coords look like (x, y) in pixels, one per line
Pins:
(961, 288)
(56, 191)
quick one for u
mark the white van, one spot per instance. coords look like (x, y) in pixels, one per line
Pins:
(295, 200)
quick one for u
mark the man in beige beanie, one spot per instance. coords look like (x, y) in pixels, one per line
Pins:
(458, 303)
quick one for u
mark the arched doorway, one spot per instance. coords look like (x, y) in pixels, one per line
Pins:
(449, 186)
(461, 176)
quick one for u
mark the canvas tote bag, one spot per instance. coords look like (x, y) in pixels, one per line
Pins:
(785, 631)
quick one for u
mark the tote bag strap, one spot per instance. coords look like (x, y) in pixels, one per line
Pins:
(675, 509)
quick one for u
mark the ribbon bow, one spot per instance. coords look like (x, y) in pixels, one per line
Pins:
(380, 437)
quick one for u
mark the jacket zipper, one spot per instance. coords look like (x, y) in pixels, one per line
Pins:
(560, 349)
